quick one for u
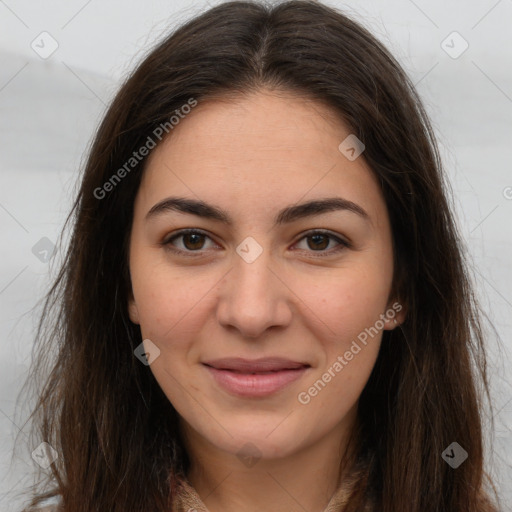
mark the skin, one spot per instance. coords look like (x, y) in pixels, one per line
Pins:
(252, 157)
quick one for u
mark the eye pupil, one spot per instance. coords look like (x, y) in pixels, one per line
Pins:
(317, 237)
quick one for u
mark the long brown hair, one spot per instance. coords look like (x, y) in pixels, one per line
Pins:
(115, 431)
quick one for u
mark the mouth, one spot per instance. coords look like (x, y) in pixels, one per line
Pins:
(255, 366)
(255, 378)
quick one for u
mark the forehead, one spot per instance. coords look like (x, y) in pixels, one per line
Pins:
(264, 147)
(267, 123)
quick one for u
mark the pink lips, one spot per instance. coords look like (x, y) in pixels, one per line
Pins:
(257, 377)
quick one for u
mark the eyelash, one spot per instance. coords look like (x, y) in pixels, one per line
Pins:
(342, 243)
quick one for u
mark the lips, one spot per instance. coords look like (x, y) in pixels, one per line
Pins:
(255, 378)
(255, 366)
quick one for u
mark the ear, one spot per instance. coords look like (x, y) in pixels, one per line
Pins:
(394, 315)
(132, 309)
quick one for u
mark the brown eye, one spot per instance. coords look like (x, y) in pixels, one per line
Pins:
(192, 241)
(319, 241)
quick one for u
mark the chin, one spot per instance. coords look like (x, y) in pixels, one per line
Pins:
(263, 442)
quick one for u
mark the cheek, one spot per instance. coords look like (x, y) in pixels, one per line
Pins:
(350, 331)
(167, 299)
(171, 315)
(348, 302)
(349, 305)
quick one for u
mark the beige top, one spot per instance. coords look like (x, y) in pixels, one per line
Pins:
(188, 499)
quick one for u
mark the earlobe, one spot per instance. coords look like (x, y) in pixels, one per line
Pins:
(133, 311)
(395, 315)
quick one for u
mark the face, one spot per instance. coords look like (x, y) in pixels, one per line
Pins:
(259, 276)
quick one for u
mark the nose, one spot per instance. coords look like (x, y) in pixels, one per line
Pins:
(254, 298)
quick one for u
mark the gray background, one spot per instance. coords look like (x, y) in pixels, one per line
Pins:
(50, 107)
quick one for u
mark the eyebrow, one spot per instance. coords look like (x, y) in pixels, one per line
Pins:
(286, 215)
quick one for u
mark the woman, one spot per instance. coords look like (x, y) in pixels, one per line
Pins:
(264, 304)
